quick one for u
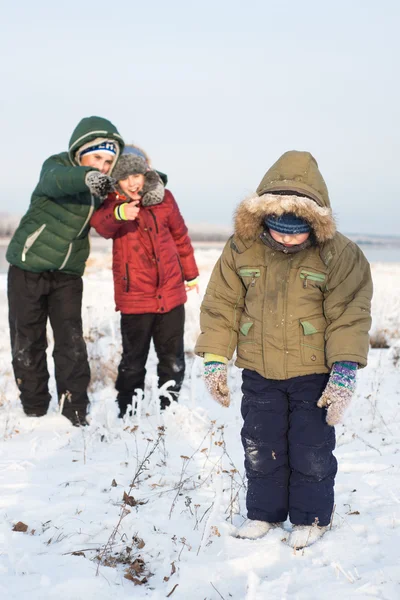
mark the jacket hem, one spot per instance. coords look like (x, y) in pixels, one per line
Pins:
(361, 360)
(221, 351)
(279, 376)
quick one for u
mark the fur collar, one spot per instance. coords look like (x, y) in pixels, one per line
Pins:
(252, 211)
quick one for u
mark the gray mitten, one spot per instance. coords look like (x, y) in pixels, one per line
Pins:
(99, 184)
(153, 189)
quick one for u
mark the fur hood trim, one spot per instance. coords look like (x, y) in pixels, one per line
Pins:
(251, 212)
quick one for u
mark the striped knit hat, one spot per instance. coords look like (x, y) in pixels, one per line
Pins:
(287, 223)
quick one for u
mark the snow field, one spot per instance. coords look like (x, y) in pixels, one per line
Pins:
(67, 485)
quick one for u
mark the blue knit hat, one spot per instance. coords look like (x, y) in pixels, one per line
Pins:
(287, 223)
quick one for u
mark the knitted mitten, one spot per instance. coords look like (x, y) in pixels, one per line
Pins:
(99, 184)
(339, 391)
(153, 189)
(216, 380)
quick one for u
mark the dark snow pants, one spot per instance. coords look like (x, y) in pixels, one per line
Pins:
(32, 299)
(288, 449)
(166, 330)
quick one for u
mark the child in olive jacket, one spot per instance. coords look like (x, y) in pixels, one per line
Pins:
(293, 297)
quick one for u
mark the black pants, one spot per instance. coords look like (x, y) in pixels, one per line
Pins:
(288, 449)
(167, 333)
(32, 298)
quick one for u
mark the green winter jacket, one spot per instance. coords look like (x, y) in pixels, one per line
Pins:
(288, 314)
(53, 234)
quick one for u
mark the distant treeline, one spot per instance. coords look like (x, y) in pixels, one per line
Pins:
(212, 236)
(9, 223)
(211, 233)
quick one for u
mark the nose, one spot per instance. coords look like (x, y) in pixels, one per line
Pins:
(104, 167)
(286, 239)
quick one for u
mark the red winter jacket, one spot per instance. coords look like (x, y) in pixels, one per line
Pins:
(152, 255)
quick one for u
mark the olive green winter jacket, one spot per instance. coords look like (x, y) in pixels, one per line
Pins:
(288, 314)
(53, 234)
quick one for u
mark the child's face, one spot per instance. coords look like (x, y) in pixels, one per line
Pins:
(99, 160)
(289, 240)
(132, 185)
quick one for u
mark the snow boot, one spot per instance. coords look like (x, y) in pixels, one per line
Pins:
(253, 530)
(305, 535)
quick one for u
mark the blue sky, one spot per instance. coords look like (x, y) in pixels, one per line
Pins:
(214, 91)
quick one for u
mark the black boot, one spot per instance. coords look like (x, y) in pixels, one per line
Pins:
(123, 401)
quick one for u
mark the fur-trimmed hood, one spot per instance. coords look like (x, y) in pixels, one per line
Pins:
(295, 172)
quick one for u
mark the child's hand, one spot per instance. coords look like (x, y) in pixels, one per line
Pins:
(153, 189)
(216, 380)
(131, 210)
(192, 285)
(339, 391)
(99, 184)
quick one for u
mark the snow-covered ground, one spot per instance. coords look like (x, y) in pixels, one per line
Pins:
(170, 536)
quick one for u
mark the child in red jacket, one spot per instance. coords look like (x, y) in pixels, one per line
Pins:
(153, 268)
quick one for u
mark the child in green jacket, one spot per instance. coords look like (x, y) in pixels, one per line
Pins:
(47, 257)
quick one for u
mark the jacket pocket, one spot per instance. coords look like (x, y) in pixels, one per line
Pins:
(30, 240)
(245, 346)
(316, 279)
(312, 340)
(249, 275)
(126, 278)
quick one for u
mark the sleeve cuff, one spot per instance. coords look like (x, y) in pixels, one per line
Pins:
(193, 282)
(119, 212)
(208, 357)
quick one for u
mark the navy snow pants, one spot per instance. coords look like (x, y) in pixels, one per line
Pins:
(288, 448)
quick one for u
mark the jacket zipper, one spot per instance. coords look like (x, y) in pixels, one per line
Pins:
(91, 210)
(285, 359)
(30, 240)
(155, 220)
(156, 226)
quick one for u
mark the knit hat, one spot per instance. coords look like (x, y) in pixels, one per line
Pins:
(98, 145)
(105, 146)
(287, 223)
(130, 164)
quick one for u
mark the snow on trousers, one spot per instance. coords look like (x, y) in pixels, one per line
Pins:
(33, 298)
(288, 449)
(137, 331)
